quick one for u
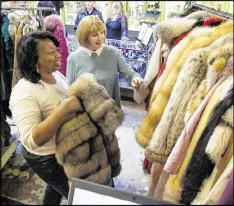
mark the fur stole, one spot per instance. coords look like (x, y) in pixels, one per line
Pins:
(168, 79)
(87, 147)
(173, 187)
(201, 166)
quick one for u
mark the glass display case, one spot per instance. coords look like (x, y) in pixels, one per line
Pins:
(137, 56)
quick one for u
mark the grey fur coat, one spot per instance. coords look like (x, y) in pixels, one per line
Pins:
(87, 147)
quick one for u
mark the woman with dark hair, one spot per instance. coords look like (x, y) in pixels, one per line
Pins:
(39, 108)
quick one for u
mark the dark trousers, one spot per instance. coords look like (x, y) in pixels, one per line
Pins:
(48, 169)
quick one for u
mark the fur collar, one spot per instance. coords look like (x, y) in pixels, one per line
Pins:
(169, 29)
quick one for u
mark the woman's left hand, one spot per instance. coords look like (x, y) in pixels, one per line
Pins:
(136, 82)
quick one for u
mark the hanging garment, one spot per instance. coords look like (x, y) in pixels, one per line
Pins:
(213, 21)
(227, 196)
(198, 38)
(86, 145)
(173, 187)
(171, 123)
(201, 165)
(7, 57)
(192, 73)
(165, 32)
(180, 148)
(215, 192)
(200, 14)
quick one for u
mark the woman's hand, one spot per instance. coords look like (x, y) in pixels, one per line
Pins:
(137, 81)
(71, 105)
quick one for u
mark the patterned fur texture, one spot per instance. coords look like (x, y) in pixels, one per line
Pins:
(86, 145)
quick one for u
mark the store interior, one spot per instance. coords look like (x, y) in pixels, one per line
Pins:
(176, 140)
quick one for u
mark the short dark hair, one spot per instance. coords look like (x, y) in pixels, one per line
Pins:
(27, 54)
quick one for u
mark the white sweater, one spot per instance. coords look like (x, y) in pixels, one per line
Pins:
(31, 103)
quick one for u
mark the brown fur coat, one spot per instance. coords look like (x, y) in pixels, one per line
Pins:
(87, 147)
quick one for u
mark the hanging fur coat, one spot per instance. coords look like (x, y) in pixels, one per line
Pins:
(173, 187)
(86, 145)
(198, 38)
(164, 34)
(173, 115)
(172, 123)
(201, 166)
(192, 73)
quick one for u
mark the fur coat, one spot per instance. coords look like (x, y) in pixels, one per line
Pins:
(192, 73)
(87, 147)
(176, 109)
(198, 38)
(164, 34)
(201, 166)
(200, 14)
(173, 187)
(54, 24)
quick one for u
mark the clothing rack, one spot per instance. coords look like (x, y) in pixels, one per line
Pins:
(211, 10)
(40, 9)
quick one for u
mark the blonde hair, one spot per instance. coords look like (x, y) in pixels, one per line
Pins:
(117, 8)
(88, 25)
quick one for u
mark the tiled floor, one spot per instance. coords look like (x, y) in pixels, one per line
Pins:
(21, 184)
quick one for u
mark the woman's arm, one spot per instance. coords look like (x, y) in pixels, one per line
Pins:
(124, 26)
(128, 73)
(34, 132)
(46, 129)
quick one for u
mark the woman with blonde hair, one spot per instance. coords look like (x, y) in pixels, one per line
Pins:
(116, 25)
(102, 60)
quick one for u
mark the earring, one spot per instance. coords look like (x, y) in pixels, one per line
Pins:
(37, 69)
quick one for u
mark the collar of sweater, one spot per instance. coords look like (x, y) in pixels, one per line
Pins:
(89, 52)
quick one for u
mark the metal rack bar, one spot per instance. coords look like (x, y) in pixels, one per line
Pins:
(40, 9)
(211, 10)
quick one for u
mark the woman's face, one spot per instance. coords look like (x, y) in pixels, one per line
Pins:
(95, 40)
(48, 57)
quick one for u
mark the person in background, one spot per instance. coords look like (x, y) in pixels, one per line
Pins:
(116, 25)
(39, 107)
(54, 24)
(103, 61)
(58, 5)
(88, 11)
(47, 4)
